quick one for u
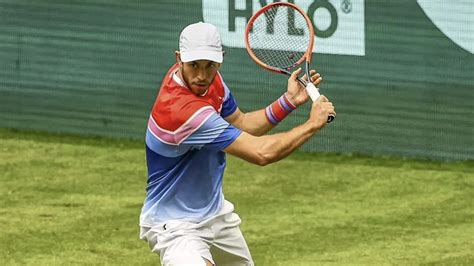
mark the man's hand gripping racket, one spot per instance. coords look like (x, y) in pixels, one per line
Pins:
(269, 44)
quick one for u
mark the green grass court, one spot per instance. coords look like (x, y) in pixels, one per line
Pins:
(68, 200)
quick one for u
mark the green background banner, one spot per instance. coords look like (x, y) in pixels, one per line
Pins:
(93, 67)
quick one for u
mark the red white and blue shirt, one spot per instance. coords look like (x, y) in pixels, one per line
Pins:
(185, 139)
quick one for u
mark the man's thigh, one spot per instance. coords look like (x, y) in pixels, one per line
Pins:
(178, 246)
(229, 246)
(186, 251)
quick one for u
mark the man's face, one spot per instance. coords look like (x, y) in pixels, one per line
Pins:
(199, 74)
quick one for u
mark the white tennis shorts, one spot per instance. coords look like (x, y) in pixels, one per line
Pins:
(217, 239)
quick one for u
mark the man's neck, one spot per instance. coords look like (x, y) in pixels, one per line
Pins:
(182, 81)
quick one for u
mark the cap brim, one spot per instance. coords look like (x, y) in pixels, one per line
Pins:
(202, 55)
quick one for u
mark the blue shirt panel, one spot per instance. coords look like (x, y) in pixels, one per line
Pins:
(185, 180)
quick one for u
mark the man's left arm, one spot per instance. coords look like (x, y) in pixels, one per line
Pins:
(259, 122)
(255, 123)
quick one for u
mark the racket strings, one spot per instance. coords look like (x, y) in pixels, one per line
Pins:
(269, 37)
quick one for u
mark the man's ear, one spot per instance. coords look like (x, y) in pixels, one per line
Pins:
(178, 58)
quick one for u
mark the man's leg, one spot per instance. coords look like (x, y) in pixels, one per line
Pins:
(229, 246)
(183, 248)
(186, 250)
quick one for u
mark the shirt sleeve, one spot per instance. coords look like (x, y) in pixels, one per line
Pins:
(214, 134)
(230, 105)
(204, 129)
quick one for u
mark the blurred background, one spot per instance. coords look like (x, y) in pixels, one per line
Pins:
(401, 73)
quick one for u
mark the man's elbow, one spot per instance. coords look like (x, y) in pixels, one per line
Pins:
(264, 159)
(261, 162)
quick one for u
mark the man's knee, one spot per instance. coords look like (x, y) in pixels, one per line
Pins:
(208, 263)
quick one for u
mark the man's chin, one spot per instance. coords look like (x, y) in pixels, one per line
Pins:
(200, 90)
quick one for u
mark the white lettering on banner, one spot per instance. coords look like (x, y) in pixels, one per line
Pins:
(339, 24)
(454, 18)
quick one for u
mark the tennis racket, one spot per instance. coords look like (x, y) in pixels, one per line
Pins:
(279, 37)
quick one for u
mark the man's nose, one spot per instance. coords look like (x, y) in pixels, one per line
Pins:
(201, 74)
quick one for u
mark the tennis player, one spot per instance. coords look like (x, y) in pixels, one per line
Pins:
(194, 122)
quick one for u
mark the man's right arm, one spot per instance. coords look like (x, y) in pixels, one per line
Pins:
(267, 149)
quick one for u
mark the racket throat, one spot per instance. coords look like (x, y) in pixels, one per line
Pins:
(308, 77)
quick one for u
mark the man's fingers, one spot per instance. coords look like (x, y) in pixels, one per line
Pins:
(311, 73)
(322, 98)
(326, 106)
(330, 108)
(315, 77)
(317, 80)
(295, 73)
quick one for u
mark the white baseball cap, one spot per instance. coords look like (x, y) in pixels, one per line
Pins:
(200, 41)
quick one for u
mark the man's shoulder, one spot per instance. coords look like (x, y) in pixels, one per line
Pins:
(176, 105)
(176, 109)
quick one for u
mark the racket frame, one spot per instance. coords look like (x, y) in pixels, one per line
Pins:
(306, 56)
(313, 92)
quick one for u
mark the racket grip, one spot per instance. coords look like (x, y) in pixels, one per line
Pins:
(314, 94)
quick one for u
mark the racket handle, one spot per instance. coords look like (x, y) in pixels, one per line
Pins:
(314, 94)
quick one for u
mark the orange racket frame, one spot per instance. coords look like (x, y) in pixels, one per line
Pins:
(307, 55)
(313, 92)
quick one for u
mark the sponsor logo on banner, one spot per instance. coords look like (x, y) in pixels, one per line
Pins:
(339, 24)
(455, 19)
